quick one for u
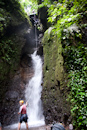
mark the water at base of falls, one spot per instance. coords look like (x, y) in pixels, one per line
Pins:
(23, 126)
(33, 96)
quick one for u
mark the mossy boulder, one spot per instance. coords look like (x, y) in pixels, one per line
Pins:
(54, 79)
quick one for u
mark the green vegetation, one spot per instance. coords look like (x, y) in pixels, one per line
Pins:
(66, 38)
(11, 14)
(9, 56)
(68, 22)
(13, 19)
(76, 64)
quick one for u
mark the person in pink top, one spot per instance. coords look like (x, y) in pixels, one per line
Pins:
(23, 114)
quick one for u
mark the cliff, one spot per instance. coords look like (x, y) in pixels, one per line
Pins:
(14, 28)
(64, 71)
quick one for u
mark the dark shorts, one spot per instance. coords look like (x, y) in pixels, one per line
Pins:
(24, 118)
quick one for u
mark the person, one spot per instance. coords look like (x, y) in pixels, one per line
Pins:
(57, 126)
(23, 114)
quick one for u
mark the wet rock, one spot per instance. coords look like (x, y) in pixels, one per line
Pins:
(54, 90)
(43, 15)
(40, 50)
(11, 95)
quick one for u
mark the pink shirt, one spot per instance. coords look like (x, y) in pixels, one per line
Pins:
(23, 109)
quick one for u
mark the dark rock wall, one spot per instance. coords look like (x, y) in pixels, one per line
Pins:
(16, 32)
(16, 69)
(59, 84)
(43, 15)
(16, 91)
(14, 81)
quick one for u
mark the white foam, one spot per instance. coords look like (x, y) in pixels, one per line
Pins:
(30, 124)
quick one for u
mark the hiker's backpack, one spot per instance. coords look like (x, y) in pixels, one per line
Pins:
(57, 126)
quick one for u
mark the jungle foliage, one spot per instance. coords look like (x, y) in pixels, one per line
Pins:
(11, 13)
(69, 23)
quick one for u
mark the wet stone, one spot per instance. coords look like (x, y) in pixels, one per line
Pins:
(11, 95)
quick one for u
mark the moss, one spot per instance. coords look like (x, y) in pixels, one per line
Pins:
(9, 59)
(69, 25)
(11, 14)
(59, 70)
(9, 55)
(54, 76)
(53, 59)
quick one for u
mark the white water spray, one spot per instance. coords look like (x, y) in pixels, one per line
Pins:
(33, 94)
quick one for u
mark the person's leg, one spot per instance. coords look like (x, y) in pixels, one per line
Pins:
(25, 120)
(19, 126)
(27, 126)
(0, 128)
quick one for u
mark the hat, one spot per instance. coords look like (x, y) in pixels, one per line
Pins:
(21, 101)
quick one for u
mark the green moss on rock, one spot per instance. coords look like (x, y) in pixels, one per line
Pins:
(11, 14)
(13, 25)
(54, 87)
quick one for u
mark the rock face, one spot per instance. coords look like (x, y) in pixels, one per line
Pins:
(54, 83)
(65, 44)
(43, 15)
(14, 87)
(15, 92)
(54, 77)
(17, 42)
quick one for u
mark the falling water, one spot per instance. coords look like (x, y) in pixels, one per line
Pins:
(33, 93)
(33, 97)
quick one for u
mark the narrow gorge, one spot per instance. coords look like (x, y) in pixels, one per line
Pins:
(43, 60)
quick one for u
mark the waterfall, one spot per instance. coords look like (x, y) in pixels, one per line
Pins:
(33, 93)
(33, 97)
